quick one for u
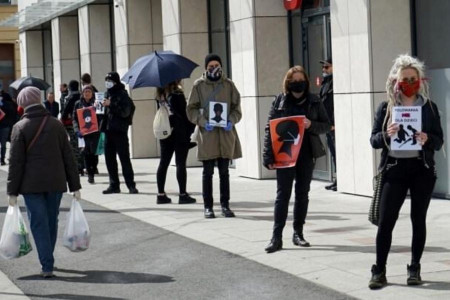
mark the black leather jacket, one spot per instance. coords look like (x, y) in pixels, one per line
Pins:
(316, 113)
(431, 125)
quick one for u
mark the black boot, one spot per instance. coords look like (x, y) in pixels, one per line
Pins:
(163, 199)
(378, 279)
(209, 213)
(111, 190)
(332, 186)
(186, 199)
(91, 178)
(414, 274)
(299, 240)
(276, 244)
(227, 212)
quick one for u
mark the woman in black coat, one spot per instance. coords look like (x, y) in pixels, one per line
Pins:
(411, 170)
(91, 139)
(178, 142)
(295, 100)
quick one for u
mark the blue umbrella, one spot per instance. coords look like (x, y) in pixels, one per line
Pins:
(158, 69)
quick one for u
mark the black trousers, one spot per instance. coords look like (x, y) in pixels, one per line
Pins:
(89, 162)
(168, 148)
(404, 174)
(331, 142)
(208, 171)
(302, 173)
(116, 143)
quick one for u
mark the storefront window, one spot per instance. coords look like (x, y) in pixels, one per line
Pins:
(219, 32)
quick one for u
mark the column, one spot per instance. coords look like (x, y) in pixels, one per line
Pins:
(95, 42)
(31, 55)
(138, 31)
(65, 49)
(260, 59)
(185, 31)
(363, 51)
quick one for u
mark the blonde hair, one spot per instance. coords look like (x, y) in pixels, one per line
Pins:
(401, 63)
(288, 78)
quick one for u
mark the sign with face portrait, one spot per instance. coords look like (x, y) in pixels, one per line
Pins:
(218, 113)
(99, 108)
(287, 137)
(87, 120)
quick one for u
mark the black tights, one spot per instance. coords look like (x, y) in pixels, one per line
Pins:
(404, 174)
(168, 147)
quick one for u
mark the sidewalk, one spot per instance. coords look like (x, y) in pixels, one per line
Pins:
(342, 239)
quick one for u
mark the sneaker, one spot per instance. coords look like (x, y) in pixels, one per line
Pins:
(378, 279)
(111, 190)
(47, 275)
(133, 190)
(186, 199)
(163, 199)
(414, 274)
(227, 213)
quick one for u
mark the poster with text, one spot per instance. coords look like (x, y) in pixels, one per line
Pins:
(87, 120)
(409, 120)
(287, 138)
(218, 113)
(99, 108)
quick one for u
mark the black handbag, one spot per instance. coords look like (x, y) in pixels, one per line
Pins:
(374, 211)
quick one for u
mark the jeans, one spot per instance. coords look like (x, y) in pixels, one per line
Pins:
(208, 171)
(331, 142)
(302, 173)
(43, 210)
(168, 148)
(4, 134)
(404, 174)
(116, 143)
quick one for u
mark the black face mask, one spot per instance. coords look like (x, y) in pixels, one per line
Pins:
(297, 86)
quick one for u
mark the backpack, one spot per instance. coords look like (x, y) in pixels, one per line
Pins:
(132, 110)
(161, 123)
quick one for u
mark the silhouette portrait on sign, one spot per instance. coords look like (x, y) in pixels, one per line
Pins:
(413, 135)
(87, 116)
(288, 134)
(401, 135)
(218, 110)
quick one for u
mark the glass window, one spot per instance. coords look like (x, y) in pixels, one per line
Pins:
(219, 32)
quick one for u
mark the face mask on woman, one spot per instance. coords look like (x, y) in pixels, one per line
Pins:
(109, 84)
(297, 86)
(214, 74)
(409, 89)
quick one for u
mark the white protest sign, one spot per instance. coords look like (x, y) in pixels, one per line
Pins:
(99, 108)
(409, 120)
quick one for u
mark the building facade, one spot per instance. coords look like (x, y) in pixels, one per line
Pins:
(258, 41)
(9, 48)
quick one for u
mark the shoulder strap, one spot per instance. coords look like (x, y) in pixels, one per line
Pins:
(212, 96)
(38, 133)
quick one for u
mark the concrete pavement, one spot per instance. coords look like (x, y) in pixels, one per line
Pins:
(342, 239)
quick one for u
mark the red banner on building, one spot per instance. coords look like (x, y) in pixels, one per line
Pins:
(87, 120)
(287, 138)
(292, 4)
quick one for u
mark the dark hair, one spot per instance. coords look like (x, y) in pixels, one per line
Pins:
(73, 85)
(174, 86)
(86, 78)
(64, 85)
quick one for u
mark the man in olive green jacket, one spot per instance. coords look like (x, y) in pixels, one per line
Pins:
(215, 144)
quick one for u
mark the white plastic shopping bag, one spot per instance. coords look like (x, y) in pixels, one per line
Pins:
(77, 234)
(15, 239)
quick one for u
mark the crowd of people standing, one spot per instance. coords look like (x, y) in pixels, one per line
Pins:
(217, 145)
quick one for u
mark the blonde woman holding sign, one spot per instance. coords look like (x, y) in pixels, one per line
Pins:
(411, 170)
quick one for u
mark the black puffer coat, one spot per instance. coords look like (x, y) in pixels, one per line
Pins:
(118, 115)
(431, 125)
(316, 113)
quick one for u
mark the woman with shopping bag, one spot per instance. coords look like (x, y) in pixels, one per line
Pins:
(41, 166)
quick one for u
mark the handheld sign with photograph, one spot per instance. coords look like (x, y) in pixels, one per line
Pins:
(409, 120)
(99, 108)
(287, 138)
(218, 113)
(87, 120)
